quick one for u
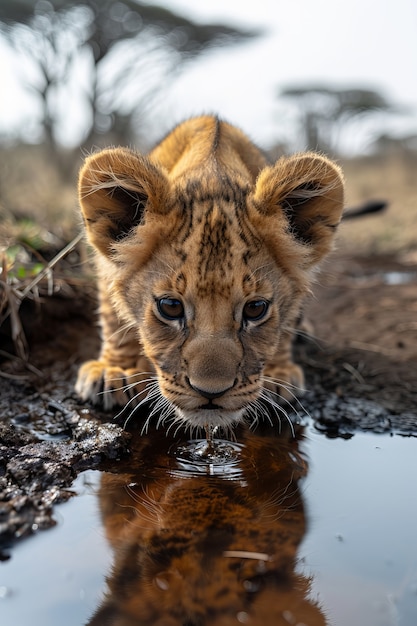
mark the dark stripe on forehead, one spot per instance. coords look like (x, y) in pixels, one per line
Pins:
(215, 244)
(216, 134)
(216, 209)
(181, 283)
(215, 188)
(207, 194)
(247, 234)
(185, 223)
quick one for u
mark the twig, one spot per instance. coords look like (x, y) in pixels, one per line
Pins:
(14, 298)
(370, 347)
(18, 335)
(356, 375)
(12, 376)
(46, 270)
(14, 357)
(244, 554)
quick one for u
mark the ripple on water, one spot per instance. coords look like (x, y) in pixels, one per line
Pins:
(217, 457)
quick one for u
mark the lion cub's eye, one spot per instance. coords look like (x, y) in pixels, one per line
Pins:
(255, 310)
(170, 308)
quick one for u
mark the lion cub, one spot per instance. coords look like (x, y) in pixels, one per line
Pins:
(203, 253)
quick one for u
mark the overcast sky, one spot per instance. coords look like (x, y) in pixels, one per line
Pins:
(364, 43)
(358, 43)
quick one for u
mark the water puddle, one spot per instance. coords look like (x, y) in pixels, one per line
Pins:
(394, 278)
(57, 577)
(267, 530)
(399, 278)
(361, 547)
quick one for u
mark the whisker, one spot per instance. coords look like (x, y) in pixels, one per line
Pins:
(150, 392)
(180, 425)
(162, 406)
(133, 411)
(288, 387)
(308, 335)
(283, 383)
(122, 329)
(159, 404)
(278, 409)
(129, 385)
(290, 404)
(175, 420)
(258, 412)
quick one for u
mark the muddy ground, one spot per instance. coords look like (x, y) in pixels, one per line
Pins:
(360, 364)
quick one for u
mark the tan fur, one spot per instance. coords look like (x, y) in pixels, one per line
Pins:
(206, 223)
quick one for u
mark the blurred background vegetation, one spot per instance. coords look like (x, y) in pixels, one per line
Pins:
(110, 60)
(94, 71)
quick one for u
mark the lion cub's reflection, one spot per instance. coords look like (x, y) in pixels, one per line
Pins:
(209, 550)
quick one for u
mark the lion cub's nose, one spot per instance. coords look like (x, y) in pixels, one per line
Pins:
(209, 394)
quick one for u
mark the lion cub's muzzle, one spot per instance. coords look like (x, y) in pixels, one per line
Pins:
(210, 394)
(212, 365)
(214, 390)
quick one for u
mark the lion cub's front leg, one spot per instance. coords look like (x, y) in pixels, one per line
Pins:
(119, 376)
(282, 376)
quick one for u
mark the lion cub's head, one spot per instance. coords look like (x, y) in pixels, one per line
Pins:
(209, 266)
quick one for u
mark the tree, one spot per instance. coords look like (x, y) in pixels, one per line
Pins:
(324, 112)
(127, 49)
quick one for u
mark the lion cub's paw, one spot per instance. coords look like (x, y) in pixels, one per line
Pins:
(109, 386)
(286, 382)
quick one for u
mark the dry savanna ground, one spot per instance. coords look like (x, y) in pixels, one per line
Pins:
(392, 178)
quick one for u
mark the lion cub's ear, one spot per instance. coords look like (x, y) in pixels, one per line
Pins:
(116, 187)
(308, 190)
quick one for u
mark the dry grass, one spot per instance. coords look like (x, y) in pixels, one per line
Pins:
(32, 279)
(32, 190)
(40, 253)
(392, 178)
